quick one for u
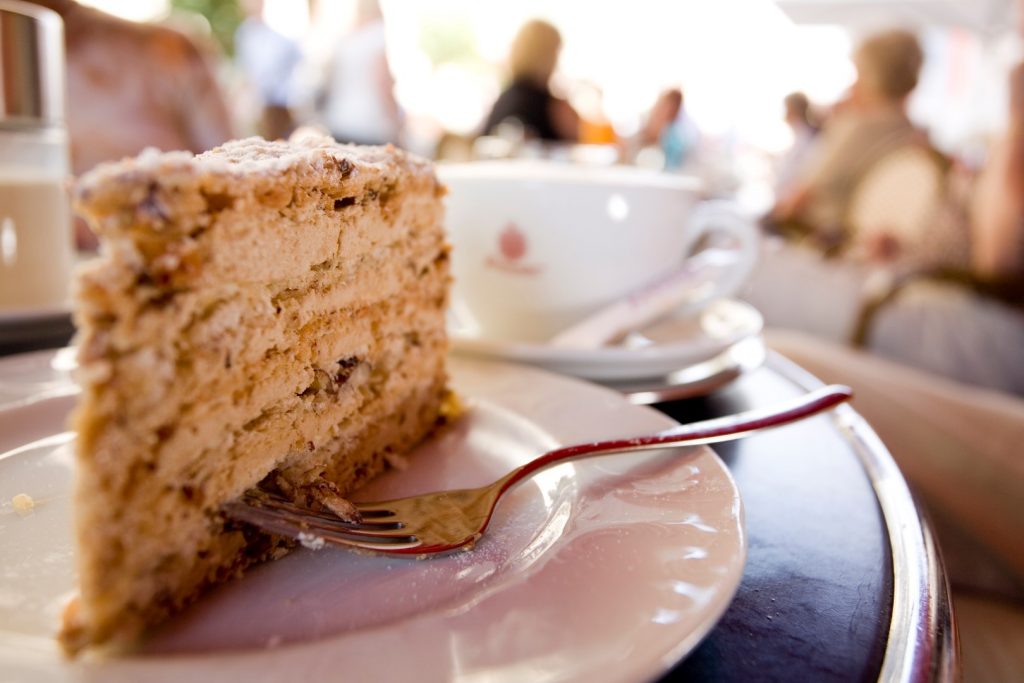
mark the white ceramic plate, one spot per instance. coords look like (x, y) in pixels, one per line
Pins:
(662, 348)
(30, 377)
(604, 570)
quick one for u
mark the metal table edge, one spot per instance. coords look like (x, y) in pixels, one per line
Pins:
(922, 643)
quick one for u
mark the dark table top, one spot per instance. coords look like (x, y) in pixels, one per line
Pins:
(32, 333)
(817, 598)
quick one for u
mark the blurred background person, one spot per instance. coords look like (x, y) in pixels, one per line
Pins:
(997, 230)
(967, 321)
(871, 124)
(527, 100)
(958, 315)
(803, 124)
(679, 139)
(594, 126)
(132, 86)
(359, 99)
(268, 61)
(668, 138)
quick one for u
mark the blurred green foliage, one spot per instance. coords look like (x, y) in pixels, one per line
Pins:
(224, 17)
(448, 39)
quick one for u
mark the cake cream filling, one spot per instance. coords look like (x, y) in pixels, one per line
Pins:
(227, 250)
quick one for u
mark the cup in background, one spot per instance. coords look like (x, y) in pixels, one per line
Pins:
(538, 246)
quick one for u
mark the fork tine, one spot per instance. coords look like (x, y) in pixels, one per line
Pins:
(375, 521)
(286, 506)
(358, 530)
(305, 518)
(337, 534)
(376, 510)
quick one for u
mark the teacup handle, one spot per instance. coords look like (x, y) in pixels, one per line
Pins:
(724, 271)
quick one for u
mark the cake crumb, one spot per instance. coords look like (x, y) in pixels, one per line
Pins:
(319, 494)
(396, 461)
(452, 407)
(311, 541)
(326, 494)
(23, 504)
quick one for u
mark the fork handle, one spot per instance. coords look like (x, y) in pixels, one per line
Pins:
(694, 433)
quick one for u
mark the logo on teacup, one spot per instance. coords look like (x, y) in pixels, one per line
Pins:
(512, 249)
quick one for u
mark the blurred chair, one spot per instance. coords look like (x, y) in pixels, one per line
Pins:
(898, 198)
(941, 321)
(948, 322)
(795, 287)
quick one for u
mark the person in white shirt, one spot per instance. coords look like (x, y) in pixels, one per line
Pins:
(360, 105)
(268, 59)
(805, 129)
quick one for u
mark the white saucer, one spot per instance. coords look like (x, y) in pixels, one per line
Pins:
(656, 351)
(701, 379)
(609, 569)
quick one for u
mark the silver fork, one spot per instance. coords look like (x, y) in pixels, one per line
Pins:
(446, 520)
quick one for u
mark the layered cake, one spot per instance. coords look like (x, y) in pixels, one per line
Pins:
(264, 314)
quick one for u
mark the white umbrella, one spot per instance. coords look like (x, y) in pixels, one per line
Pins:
(989, 17)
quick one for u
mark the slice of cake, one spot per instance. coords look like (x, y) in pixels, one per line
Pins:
(266, 313)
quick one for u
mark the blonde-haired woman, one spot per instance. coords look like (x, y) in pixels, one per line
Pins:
(527, 100)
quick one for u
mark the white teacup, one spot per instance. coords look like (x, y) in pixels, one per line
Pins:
(540, 246)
